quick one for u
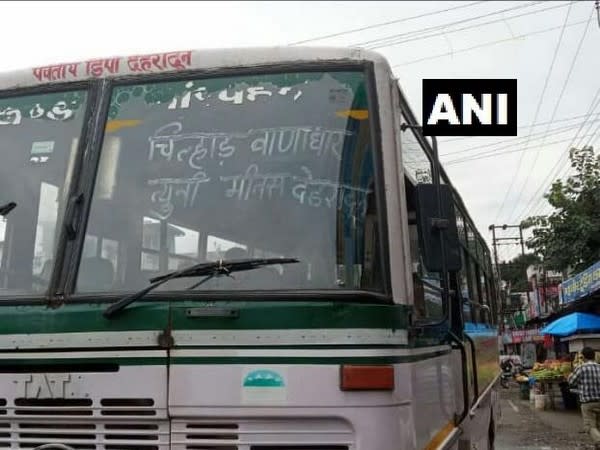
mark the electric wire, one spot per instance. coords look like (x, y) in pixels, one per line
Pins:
(591, 124)
(531, 206)
(490, 154)
(567, 170)
(382, 41)
(382, 24)
(517, 141)
(486, 44)
(406, 37)
(560, 96)
(540, 101)
(539, 124)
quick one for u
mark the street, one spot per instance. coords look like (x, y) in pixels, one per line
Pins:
(522, 427)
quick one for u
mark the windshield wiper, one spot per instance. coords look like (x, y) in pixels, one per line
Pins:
(211, 269)
(5, 209)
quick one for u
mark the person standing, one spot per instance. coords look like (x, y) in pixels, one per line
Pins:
(586, 378)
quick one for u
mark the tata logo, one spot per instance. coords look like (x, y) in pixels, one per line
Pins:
(470, 107)
(42, 385)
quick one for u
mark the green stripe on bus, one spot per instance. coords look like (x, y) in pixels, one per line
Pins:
(297, 315)
(259, 315)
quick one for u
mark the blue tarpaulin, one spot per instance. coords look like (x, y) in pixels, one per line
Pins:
(572, 323)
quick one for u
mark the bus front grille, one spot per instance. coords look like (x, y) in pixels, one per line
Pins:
(81, 407)
(84, 435)
(262, 434)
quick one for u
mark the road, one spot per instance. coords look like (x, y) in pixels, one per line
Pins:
(523, 428)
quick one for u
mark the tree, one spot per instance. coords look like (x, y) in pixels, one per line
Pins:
(569, 237)
(515, 271)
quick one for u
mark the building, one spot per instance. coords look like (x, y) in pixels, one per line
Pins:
(543, 292)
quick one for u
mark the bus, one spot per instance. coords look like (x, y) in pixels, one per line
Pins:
(238, 249)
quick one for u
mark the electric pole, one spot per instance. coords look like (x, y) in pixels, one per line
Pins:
(509, 240)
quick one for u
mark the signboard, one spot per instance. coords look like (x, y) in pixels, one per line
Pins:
(519, 336)
(519, 319)
(534, 306)
(582, 284)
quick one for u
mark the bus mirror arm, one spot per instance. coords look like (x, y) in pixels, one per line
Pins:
(465, 382)
(474, 363)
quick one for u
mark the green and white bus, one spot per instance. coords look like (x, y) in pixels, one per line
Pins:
(235, 250)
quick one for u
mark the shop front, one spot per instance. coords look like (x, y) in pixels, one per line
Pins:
(528, 344)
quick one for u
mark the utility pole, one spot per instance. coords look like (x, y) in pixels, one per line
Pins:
(496, 240)
(501, 312)
(494, 244)
(512, 240)
(522, 242)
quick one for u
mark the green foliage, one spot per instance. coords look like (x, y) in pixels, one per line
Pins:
(514, 272)
(570, 236)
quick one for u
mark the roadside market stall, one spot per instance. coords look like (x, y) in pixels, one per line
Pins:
(548, 383)
(549, 380)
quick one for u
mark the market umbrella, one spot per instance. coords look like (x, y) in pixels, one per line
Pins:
(572, 323)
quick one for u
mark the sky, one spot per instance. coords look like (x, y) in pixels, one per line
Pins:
(551, 48)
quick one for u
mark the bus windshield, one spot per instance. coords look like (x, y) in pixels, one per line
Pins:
(232, 167)
(39, 135)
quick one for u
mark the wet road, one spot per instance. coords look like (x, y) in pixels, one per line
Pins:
(523, 428)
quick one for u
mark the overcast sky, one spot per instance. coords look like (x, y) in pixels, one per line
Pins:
(41, 33)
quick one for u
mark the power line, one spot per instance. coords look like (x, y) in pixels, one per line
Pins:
(446, 32)
(539, 124)
(527, 209)
(562, 168)
(492, 153)
(390, 40)
(382, 24)
(486, 44)
(560, 96)
(513, 179)
(589, 127)
(387, 42)
(591, 109)
(587, 144)
(567, 169)
(537, 111)
(514, 142)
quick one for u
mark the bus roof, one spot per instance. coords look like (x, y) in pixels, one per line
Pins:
(177, 61)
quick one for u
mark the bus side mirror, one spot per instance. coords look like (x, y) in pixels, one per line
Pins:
(433, 226)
